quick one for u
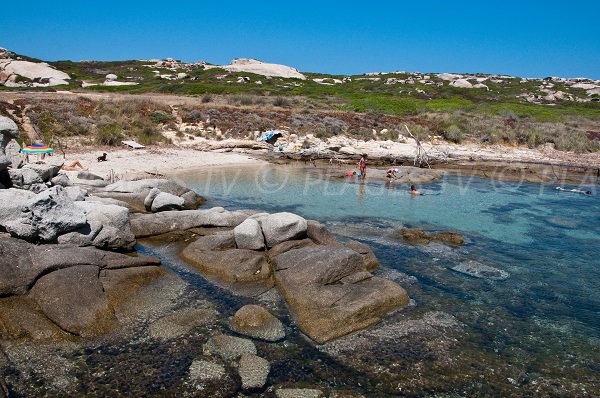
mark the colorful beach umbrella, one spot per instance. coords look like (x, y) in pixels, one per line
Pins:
(37, 148)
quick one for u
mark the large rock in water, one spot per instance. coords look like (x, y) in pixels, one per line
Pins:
(47, 215)
(279, 227)
(73, 298)
(330, 292)
(248, 235)
(107, 227)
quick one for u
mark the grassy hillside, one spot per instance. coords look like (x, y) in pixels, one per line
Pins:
(507, 110)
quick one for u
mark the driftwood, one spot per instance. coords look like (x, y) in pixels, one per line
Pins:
(421, 156)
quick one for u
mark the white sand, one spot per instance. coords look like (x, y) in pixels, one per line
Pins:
(162, 160)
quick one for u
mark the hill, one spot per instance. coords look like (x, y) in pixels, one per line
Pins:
(483, 108)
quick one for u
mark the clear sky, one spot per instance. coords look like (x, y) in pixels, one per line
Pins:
(524, 38)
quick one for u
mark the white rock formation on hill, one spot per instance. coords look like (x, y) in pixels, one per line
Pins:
(41, 73)
(263, 68)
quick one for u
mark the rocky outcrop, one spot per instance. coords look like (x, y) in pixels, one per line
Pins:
(327, 284)
(107, 227)
(8, 131)
(331, 293)
(44, 216)
(71, 286)
(234, 265)
(14, 154)
(248, 235)
(144, 225)
(37, 73)
(165, 201)
(73, 298)
(137, 192)
(263, 68)
(255, 321)
(281, 227)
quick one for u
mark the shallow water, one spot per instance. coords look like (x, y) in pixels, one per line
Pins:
(542, 323)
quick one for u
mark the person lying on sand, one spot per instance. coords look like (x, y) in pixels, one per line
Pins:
(413, 190)
(581, 191)
(74, 166)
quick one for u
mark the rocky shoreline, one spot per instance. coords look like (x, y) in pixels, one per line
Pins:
(70, 271)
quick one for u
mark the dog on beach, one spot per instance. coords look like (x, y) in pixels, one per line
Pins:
(102, 158)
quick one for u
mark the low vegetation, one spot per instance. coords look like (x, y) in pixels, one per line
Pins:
(238, 104)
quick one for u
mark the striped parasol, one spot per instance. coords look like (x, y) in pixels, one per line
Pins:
(37, 148)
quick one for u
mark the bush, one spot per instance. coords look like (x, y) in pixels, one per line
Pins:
(246, 100)
(282, 102)
(195, 116)
(206, 98)
(109, 134)
(159, 117)
(150, 135)
(453, 134)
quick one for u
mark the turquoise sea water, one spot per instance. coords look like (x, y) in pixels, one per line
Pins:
(544, 319)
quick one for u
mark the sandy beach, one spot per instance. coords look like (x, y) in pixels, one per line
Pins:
(129, 163)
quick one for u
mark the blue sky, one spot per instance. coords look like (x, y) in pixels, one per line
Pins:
(523, 38)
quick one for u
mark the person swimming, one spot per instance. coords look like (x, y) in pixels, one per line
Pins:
(581, 191)
(413, 190)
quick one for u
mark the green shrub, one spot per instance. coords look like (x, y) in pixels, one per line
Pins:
(159, 117)
(109, 134)
(150, 135)
(246, 100)
(453, 134)
(282, 102)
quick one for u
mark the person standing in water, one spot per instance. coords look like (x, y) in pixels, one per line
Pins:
(362, 165)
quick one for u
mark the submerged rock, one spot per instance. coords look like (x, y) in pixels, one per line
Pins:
(229, 348)
(201, 370)
(298, 393)
(179, 324)
(418, 236)
(479, 270)
(253, 371)
(255, 321)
